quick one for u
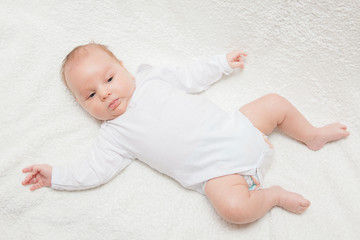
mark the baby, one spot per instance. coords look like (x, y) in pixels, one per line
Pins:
(153, 118)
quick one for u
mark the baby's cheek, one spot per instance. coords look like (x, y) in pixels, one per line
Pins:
(100, 109)
(94, 110)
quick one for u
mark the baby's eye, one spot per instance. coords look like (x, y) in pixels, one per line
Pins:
(110, 79)
(92, 95)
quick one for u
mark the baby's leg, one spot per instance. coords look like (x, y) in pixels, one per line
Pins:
(235, 203)
(272, 110)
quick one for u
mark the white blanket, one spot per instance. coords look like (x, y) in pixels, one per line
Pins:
(307, 51)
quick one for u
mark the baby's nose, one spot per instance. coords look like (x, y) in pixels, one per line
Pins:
(105, 94)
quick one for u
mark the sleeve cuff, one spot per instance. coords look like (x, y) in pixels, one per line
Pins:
(54, 178)
(59, 176)
(225, 64)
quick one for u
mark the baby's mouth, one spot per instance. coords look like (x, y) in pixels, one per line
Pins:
(114, 104)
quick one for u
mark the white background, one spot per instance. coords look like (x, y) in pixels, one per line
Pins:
(306, 51)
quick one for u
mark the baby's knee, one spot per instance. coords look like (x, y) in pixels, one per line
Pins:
(235, 212)
(275, 98)
(278, 102)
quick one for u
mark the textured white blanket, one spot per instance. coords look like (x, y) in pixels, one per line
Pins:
(307, 51)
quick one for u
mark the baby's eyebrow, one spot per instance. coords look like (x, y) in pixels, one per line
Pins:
(84, 91)
(108, 72)
(83, 94)
(104, 75)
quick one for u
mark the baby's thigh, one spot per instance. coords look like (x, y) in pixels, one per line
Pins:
(265, 112)
(226, 194)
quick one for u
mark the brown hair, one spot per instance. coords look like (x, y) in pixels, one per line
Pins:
(80, 51)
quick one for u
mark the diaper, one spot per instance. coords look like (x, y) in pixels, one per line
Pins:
(256, 177)
(253, 182)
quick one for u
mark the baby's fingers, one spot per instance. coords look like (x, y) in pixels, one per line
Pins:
(238, 65)
(35, 186)
(28, 169)
(29, 178)
(238, 54)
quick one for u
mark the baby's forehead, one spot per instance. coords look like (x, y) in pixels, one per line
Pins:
(83, 52)
(77, 58)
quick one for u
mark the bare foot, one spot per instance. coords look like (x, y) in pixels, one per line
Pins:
(291, 201)
(328, 133)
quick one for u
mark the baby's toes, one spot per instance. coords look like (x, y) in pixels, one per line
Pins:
(301, 210)
(303, 206)
(343, 132)
(306, 203)
(343, 127)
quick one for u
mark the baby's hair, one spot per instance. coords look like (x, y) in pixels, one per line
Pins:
(79, 52)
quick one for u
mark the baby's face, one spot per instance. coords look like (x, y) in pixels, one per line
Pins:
(100, 83)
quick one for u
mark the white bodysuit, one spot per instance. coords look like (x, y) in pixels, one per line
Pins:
(182, 135)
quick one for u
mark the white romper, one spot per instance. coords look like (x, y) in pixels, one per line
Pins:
(182, 135)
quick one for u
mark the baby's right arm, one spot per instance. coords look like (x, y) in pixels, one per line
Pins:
(105, 159)
(39, 176)
(89, 173)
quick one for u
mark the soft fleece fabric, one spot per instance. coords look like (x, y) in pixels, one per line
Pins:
(306, 51)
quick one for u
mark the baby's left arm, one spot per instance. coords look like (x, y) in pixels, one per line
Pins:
(198, 76)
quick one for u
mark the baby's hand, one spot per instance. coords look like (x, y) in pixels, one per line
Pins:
(236, 59)
(39, 176)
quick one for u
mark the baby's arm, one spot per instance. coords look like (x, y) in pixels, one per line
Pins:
(198, 76)
(86, 174)
(105, 159)
(99, 168)
(39, 176)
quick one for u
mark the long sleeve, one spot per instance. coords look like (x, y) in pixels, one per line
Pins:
(197, 76)
(103, 162)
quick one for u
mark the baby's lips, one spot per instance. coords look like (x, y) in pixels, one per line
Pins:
(111, 103)
(114, 103)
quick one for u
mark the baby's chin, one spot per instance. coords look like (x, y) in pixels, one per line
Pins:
(106, 117)
(101, 117)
